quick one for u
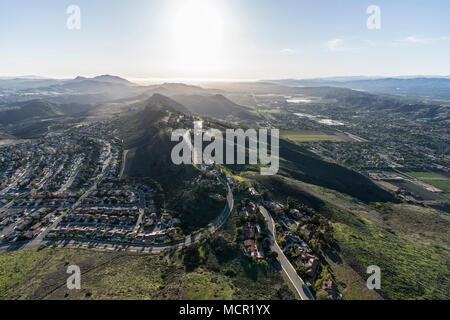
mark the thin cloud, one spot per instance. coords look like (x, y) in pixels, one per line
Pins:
(412, 39)
(336, 45)
(419, 40)
(288, 51)
(351, 44)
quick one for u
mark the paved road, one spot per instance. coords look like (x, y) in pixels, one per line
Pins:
(124, 159)
(17, 180)
(75, 169)
(300, 286)
(141, 209)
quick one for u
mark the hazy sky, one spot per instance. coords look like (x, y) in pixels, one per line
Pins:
(224, 39)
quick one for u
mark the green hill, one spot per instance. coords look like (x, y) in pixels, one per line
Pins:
(38, 108)
(146, 135)
(409, 243)
(28, 110)
(147, 139)
(216, 106)
(302, 165)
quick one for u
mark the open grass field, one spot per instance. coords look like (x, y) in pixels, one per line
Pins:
(41, 274)
(206, 285)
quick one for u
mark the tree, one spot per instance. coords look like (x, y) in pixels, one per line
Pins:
(271, 256)
(266, 244)
(265, 195)
(289, 203)
(322, 295)
(191, 257)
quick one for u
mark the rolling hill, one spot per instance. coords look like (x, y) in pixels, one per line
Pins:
(29, 109)
(39, 108)
(215, 106)
(147, 139)
(146, 135)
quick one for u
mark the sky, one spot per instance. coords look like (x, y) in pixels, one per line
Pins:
(224, 39)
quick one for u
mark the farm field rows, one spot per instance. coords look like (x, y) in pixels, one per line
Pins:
(309, 136)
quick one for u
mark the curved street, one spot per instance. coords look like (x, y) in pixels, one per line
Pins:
(109, 245)
(301, 288)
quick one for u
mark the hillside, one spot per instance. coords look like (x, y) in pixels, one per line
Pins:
(300, 164)
(409, 243)
(174, 89)
(222, 272)
(147, 137)
(5, 135)
(82, 90)
(99, 89)
(38, 109)
(215, 106)
(29, 109)
(304, 166)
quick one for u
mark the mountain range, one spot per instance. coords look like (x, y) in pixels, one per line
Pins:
(415, 87)
(49, 97)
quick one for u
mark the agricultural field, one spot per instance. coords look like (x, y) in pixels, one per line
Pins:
(426, 175)
(414, 188)
(432, 178)
(309, 136)
(435, 179)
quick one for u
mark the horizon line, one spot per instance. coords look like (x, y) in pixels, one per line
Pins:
(157, 80)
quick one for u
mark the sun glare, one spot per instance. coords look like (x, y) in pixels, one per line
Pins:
(198, 38)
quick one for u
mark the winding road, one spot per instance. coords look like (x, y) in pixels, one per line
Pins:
(301, 288)
(109, 245)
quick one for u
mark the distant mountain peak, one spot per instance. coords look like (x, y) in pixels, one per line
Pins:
(105, 78)
(108, 77)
